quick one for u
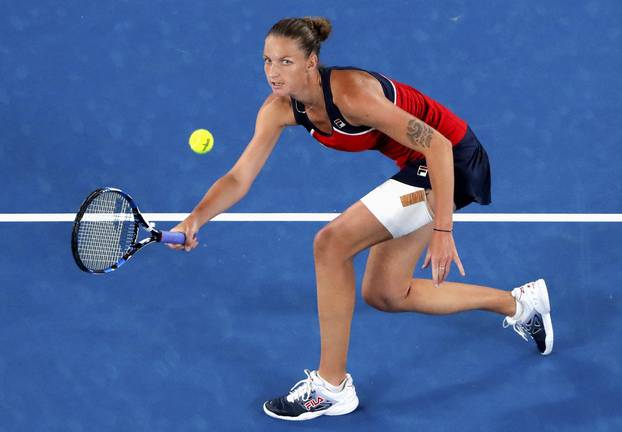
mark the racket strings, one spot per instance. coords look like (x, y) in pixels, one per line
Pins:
(107, 230)
(96, 243)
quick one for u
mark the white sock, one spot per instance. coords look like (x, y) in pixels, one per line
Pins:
(331, 387)
(519, 309)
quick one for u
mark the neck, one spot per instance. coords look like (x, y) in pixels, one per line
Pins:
(312, 95)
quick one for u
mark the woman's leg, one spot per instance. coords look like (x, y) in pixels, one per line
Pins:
(334, 248)
(388, 284)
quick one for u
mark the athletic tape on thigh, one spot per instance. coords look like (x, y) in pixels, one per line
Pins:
(412, 198)
(399, 207)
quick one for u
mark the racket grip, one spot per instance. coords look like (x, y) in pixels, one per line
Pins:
(173, 237)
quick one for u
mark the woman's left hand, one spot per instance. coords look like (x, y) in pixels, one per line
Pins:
(441, 252)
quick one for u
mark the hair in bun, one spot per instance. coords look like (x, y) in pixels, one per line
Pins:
(309, 31)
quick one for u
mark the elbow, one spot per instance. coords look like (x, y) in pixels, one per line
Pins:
(443, 142)
(439, 148)
(240, 185)
(440, 145)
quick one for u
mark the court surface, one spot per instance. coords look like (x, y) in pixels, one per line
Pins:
(95, 94)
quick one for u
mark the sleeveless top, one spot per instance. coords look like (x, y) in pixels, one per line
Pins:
(346, 137)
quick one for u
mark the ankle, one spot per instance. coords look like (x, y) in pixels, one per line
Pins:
(333, 380)
(517, 307)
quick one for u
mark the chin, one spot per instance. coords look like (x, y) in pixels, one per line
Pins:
(279, 92)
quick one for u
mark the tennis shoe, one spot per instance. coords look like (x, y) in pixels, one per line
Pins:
(533, 318)
(312, 397)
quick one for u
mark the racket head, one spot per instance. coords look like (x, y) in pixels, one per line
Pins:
(105, 230)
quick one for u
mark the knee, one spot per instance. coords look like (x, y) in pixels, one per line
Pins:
(375, 300)
(330, 244)
(378, 299)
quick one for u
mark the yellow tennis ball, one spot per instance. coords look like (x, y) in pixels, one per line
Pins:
(201, 141)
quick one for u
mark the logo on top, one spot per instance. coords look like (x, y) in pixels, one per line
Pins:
(340, 123)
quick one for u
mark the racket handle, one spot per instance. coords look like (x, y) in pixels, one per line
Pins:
(173, 237)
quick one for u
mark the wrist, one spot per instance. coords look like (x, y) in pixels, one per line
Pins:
(440, 229)
(443, 223)
(194, 220)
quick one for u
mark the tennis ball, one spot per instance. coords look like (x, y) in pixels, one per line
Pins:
(201, 141)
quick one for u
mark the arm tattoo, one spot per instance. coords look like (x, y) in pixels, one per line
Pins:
(419, 133)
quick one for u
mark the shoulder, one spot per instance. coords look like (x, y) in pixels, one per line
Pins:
(277, 110)
(352, 85)
(356, 93)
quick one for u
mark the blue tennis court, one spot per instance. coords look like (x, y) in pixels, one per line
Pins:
(106, 94)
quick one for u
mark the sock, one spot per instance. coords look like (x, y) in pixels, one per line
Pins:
(519, 309)
(331, 387)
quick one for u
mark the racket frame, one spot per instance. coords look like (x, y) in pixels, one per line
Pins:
(155, 235)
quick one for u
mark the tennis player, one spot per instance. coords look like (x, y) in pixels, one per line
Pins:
(442, 168)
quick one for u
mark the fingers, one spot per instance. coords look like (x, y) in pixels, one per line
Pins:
(191, 238)
(438, 269)
(441, 253)
(442, 270)
(191, 241)
(426, 262)
(435, 275)
(459, 264)
(186, 246)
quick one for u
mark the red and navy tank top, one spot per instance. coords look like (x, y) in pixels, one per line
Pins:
(347, 137)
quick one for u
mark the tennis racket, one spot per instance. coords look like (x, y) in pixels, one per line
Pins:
(105, 231)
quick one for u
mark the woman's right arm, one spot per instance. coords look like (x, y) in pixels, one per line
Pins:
(274, 115)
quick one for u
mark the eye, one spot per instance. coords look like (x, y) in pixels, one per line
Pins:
(286, 62)
(266, 60)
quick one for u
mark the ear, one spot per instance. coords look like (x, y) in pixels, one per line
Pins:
(312, 61)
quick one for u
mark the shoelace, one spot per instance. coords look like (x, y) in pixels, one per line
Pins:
(520, 329)
(302, 389)
(525, 330)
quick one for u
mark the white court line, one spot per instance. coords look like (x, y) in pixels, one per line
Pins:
(326, 217)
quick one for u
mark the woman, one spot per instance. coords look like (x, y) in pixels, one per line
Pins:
(443, 167)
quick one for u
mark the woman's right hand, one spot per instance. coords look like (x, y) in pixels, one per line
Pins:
(190, 228)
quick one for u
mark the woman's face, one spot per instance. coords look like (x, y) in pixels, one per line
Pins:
(285, 65)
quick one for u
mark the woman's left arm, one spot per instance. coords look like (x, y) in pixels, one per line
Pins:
(365, 106)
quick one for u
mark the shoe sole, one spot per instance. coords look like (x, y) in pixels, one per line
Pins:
(335, 410)
(543, 293)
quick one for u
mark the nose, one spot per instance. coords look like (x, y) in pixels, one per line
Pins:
(272, 71)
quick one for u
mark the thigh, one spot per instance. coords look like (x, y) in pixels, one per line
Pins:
(391, 264)
(354, 230)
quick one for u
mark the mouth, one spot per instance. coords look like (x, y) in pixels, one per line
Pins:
(277, 84)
